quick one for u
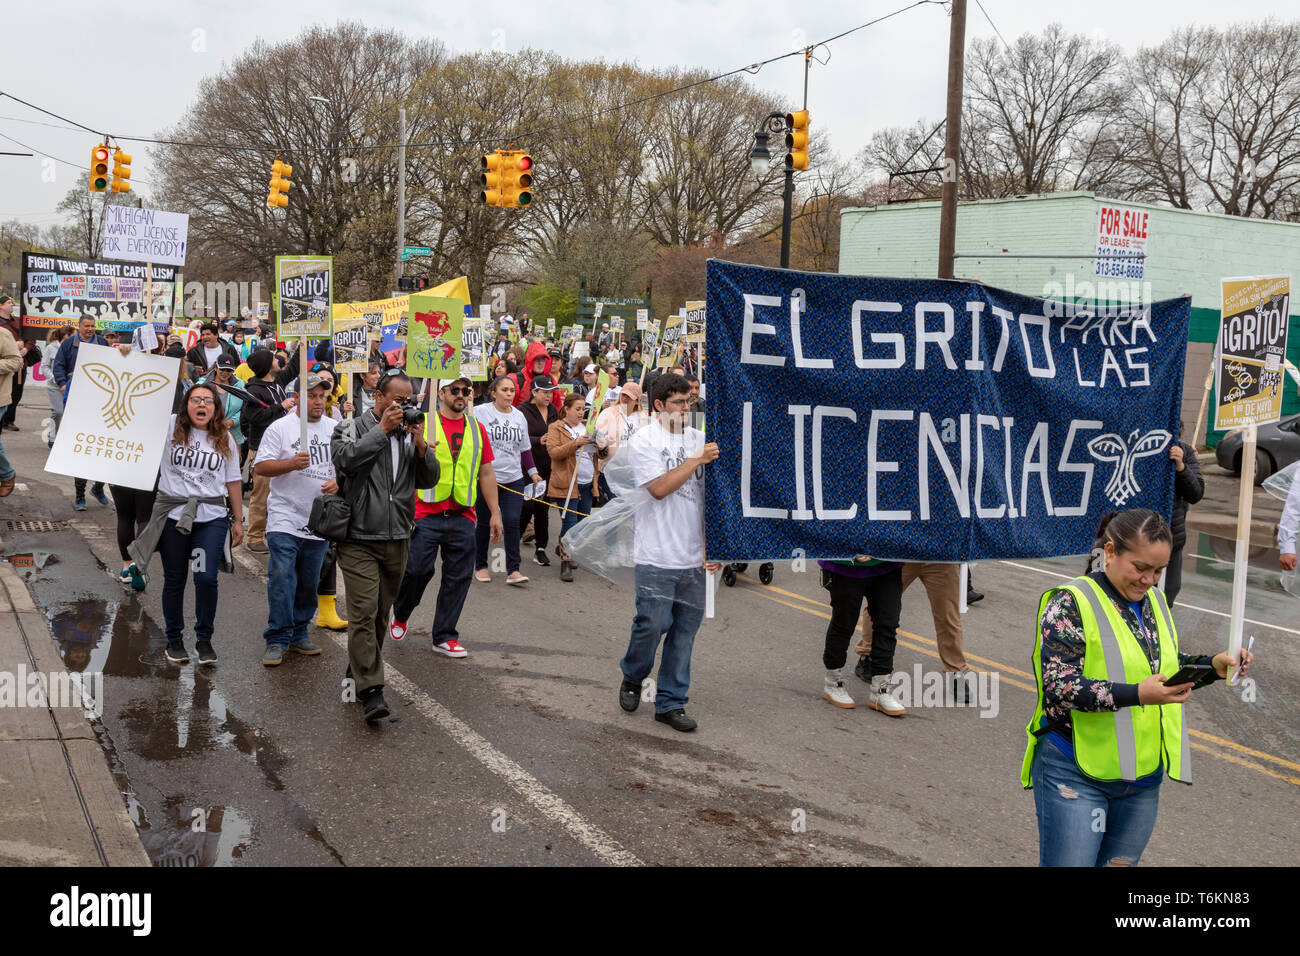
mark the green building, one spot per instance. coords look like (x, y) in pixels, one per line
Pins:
(1046, 246)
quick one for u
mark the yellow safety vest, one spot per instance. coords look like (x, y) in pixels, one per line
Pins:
(458, 475)
(1132, 742)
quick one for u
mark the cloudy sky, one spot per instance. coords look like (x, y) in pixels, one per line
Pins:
(150, 56)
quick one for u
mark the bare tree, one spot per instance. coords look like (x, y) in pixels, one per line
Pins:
(1033, 112)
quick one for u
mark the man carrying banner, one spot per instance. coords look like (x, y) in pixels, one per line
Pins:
(445, 518)
(668, 462)
(65, 363)
(297, 477)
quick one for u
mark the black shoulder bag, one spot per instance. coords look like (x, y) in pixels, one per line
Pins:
(331, 515)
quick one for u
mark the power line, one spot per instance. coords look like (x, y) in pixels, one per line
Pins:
(992, 24)
(80, 166)
(750, 68)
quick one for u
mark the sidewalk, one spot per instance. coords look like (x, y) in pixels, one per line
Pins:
(61, 805)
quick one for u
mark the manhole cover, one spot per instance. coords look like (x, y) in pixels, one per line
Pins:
(35, 526)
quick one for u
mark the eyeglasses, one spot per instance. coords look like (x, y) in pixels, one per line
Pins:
(200, 400)
(459, 390)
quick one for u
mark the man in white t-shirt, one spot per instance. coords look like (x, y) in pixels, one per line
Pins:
(297, 478)
(667, 461)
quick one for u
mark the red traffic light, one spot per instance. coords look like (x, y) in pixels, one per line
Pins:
(525, 162)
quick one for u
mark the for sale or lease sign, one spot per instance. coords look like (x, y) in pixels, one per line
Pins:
(1122, 241)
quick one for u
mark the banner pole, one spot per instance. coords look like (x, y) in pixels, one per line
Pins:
(1245, 499)
(148, 293)
(1205, 400)
(302, 392)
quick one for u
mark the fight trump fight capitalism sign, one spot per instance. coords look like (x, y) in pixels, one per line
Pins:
(929, 420)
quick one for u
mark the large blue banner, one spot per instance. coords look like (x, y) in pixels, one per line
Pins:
(929, 419)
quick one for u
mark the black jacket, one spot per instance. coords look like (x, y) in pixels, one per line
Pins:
(1189, 488)
(537, 428)
(383, 509)
(199, 359)
(257, 419)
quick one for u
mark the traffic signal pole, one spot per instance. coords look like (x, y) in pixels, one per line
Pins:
(401, 193)
(787, 196)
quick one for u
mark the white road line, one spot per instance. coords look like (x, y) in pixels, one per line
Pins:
(528, 786)
(1190, 607)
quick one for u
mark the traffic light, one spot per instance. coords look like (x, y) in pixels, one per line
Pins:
(99, 169)
(411, 283)
(280, 173)
(491, 179)
(796, 140)
(507, 179)
(121, 171)
(517, 178)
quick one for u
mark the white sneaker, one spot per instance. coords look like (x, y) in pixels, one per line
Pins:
(834, 692)
(882, 699)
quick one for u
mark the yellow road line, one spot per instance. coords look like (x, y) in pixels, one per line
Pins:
(761, 590)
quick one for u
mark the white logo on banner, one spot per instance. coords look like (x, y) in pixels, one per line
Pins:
(1111, 447)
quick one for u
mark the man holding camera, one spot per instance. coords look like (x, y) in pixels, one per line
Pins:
(380, 458)
(445, 519)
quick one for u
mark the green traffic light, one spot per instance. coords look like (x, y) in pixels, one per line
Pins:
(101, 183)
(525, 198)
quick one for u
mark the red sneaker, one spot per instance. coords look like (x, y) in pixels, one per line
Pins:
(397, 630)
(451, 648)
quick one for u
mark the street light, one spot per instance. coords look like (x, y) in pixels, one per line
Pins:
(760, 158)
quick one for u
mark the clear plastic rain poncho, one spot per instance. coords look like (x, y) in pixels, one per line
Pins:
(1279, 486)
(605, 541)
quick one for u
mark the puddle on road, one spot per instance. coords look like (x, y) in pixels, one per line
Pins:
(156, 713)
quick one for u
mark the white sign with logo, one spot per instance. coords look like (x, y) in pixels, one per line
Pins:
(642, 319)
(115, 420)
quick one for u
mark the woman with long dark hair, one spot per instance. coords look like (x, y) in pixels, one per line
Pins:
(507, 430)
(1109, 723)
(198, 476)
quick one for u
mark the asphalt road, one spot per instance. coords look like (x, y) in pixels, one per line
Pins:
(519, 754)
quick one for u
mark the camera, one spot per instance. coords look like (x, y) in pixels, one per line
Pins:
(411, 413)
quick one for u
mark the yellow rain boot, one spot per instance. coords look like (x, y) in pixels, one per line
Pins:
(326, 615)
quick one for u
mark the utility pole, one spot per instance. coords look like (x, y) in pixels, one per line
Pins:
(401, 194)
(952, 140)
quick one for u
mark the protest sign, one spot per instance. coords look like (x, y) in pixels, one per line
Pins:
(616, 324)
(306, 292)
(650, 343)
(550, 326)
(1251, 351)
(473, 355)
(598, 400)
(930, 420)
(433, 341)
(597, 310)
(351, 345)
(145, 235)
(581, 348)
(115, 420)
(642, 319)
(1249, 361)
(694, 321)
(60, 290)
(672, 336)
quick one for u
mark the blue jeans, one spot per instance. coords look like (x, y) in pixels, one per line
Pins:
(6, 469)
(580, 502)
(200, 551)
(453, 535)
(511, 505)
(668, 601)
(1104, 822)
(291, 577)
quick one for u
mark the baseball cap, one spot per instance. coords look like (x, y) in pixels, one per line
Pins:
(444, 382)
(173, 340)
(313, 380)
(632, 390)
(590, 368)
(543, 383)
(226, 362)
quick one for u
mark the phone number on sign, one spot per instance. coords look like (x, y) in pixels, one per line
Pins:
(1122, 267)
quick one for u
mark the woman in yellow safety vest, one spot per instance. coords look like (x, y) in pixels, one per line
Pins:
(1107, 727)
